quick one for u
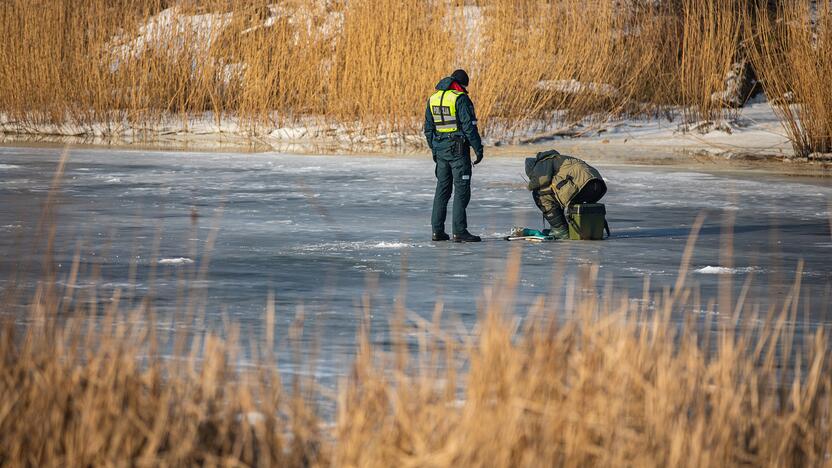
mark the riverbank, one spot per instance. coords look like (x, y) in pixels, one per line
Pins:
(755, 140)
(315, 77)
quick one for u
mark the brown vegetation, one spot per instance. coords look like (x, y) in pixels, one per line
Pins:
(588, 378)
(711, 34)
(792, 50)
(369, 65)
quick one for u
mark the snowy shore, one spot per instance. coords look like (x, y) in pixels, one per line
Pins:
(756, 136)
(755, 131)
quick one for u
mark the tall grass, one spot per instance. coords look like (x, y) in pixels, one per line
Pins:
(711, 35)
(103, 65)
(542, 57)
(589, 377)
(792, 51)
(92, 393)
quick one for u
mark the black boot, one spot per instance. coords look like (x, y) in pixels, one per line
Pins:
(440, 236)
(466, 237)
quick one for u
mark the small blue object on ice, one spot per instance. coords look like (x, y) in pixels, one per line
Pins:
(521, 233)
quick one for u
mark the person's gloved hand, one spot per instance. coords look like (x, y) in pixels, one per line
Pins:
(479, 158)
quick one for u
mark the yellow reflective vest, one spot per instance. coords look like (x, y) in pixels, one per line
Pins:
(443, 109)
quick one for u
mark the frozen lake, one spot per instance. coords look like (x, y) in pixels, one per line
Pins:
(321, 231)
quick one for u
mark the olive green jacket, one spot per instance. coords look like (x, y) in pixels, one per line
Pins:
(560, 175)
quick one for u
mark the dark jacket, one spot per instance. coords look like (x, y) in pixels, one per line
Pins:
(465, 116)
(541, 169)
(561, 176)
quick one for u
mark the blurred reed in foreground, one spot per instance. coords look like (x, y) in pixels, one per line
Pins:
(589, 377)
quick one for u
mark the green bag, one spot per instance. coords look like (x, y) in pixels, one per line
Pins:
(587, 221)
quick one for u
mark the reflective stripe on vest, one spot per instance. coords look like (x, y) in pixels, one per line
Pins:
(443, 109)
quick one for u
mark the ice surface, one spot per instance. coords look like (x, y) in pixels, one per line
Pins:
(320, 232)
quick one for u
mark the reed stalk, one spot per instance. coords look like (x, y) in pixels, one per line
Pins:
(99, 67)
(792, 50)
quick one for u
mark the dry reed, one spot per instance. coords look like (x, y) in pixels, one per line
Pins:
(792, 51)
(102, 66)
(589, 377)
(711, 34)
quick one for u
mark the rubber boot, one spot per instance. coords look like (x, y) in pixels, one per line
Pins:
(560, 230)
(561, 233)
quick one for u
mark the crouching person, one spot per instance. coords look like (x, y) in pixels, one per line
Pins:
(558, 181)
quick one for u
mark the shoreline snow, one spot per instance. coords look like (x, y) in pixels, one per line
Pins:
(756, 129)
(755, 138)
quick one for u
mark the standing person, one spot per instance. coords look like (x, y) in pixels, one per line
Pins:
(451, 131)
(558, 181)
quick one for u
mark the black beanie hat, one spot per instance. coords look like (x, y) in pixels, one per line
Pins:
(460, 77)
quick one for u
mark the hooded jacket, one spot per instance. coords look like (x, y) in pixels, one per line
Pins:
(552, 173)
(466, 118)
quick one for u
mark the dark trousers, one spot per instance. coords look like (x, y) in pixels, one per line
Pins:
(593, 191)
(453, 175)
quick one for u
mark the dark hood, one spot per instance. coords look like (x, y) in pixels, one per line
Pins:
(444, 84)
(530, 162)
(541, 168)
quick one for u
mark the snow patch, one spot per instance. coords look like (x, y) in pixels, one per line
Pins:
(645, 271)
(251, 417)
(718, 270)
(176, 261)
(578, 87)
(172, 31)
(389, 245)
(343, 247)
(8, 166)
